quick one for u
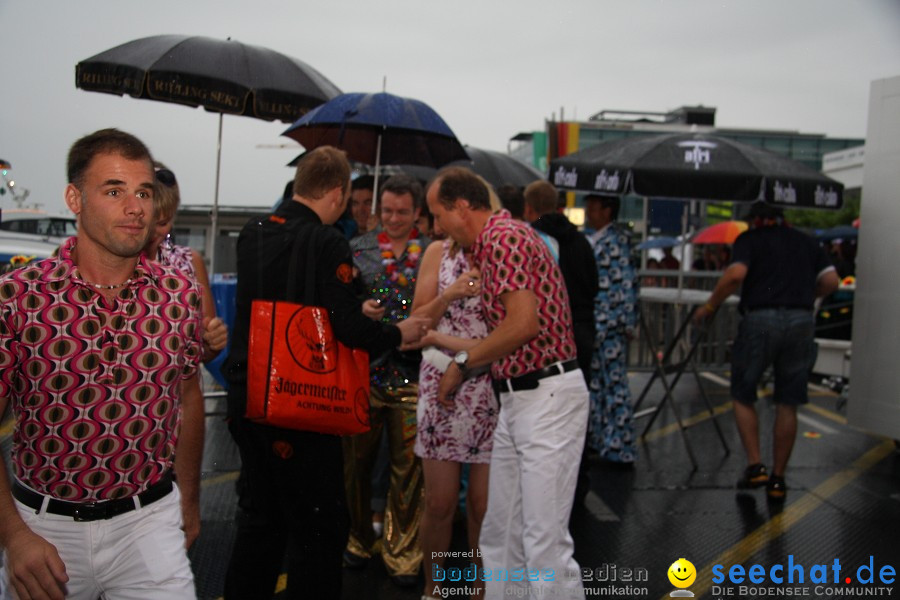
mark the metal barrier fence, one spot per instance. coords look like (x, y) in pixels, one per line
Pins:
(664, 320)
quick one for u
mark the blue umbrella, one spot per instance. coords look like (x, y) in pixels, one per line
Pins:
(378, 129)
(659, 242)
(844, 232)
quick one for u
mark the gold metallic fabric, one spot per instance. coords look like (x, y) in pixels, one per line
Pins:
(393, 410)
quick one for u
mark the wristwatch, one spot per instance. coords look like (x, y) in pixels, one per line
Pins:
(461, 359)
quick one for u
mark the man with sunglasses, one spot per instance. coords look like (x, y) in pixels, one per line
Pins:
(99, 350)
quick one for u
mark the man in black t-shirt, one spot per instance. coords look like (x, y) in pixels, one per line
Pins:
(782, 271)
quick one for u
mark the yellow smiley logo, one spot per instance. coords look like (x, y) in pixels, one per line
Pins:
(682, 573)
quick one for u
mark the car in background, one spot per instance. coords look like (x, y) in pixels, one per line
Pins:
(30, 234)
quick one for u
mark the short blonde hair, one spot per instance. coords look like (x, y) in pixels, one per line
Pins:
(321, 170)
(167, 196)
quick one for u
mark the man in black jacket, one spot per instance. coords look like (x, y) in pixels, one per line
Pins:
(291, 490)
(576, 261)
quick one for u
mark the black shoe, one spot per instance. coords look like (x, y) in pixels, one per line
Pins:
(354, 561)
(776, 489)
(754, 476)
(405, 581)
(616, 465)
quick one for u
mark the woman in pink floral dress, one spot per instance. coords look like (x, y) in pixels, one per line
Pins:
(449, 292)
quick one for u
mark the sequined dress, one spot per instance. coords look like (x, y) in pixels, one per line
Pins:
(466, 433)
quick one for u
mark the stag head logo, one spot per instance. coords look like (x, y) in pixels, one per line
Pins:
(311, 341)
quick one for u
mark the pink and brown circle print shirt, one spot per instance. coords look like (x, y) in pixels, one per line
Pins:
(95, 385)
(512, 257)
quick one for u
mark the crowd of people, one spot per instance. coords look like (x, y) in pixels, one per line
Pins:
(497, 336)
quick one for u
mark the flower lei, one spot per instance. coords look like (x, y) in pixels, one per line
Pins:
(403, 274)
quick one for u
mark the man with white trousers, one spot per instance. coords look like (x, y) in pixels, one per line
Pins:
(525, 542)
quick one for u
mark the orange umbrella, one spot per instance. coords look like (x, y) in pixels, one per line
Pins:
(720, 233)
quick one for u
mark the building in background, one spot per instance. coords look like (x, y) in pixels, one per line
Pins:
(561, 138)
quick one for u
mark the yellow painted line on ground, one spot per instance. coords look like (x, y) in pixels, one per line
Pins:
(223, 478)
(688, 422)
(723, 408)
(793, 514)
(828, 414)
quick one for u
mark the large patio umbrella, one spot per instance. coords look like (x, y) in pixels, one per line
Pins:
(223, 76)
(380, 129)
(695, 166)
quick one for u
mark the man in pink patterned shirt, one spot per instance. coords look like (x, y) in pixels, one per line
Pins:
(543, 398)
(99, 350)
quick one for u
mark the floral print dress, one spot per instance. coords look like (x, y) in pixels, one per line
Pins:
(464, 434)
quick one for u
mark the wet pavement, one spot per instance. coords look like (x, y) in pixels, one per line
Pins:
(843, 505)
(844, 498)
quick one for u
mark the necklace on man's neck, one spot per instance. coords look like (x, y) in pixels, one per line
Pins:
(99, 286)
(103, 286)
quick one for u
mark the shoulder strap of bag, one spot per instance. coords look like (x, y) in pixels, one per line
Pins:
(309, 287)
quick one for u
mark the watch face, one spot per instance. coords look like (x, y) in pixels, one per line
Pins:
(461, 358)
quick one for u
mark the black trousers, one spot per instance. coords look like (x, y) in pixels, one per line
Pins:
(292, 514)
(585, 335)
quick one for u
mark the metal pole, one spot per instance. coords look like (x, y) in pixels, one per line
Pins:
(214, 217)
(377, 169)
(646, 232)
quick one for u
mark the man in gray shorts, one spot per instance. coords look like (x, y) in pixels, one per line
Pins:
(782, 271)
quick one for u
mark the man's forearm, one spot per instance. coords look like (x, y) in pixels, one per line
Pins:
(10, 521)
(189, 451)
(728, 284)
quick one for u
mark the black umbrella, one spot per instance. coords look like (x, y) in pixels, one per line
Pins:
(223, 76)
(500, 169)
(497, 168)
(697, 167)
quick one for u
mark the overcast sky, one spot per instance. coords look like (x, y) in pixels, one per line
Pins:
(490, 68)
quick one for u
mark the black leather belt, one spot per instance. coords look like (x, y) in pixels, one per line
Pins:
(530, 381)
(92, 511)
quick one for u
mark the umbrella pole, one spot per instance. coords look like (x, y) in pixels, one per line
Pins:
(214, 216)
(684, 221)
(646, 232)
(377, 171)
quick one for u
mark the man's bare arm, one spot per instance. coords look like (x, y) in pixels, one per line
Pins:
(728, 284)
(518, 327)
(189, 455)
(827, 282)
(33, 564)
